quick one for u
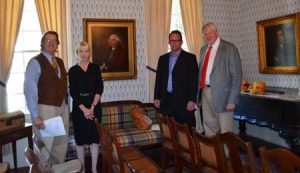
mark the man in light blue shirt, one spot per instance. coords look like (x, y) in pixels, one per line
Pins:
(176, 82)
(45, 90)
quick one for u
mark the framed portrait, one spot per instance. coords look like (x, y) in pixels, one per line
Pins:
(278, 44)
(112, 44)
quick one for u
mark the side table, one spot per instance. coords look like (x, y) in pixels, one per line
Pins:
(14, 134)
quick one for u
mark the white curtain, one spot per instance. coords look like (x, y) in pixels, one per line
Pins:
(53, 16)
(10, 19)
(191, 12)
(158, 21)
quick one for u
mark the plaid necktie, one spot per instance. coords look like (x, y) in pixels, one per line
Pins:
(54, 65)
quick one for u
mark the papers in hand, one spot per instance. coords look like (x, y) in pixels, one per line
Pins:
(53, 127)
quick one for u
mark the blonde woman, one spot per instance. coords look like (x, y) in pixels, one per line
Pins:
(86, 87)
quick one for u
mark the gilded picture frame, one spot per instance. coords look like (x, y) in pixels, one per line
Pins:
(278, 45)
(113, 46)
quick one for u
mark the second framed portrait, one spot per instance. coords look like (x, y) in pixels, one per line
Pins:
(113, 46)
(278, 44)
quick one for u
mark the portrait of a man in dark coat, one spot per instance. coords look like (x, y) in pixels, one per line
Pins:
(280, 45)
(116, 56)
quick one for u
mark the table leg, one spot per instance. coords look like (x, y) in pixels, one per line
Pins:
(242, 127)
(15, 155)
(0, 153)
(30, 142)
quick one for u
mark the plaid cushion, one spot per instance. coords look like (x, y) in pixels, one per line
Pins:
(117, 117)
(134, 136)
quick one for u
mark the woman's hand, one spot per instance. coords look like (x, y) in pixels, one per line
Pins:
(88, 113)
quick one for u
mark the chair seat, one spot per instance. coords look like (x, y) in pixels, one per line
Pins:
(69, 166)
(4, 167)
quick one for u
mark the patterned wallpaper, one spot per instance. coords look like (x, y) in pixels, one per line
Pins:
(236, 20)
(136, 89)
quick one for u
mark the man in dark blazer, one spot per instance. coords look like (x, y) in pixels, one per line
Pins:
(176, 82)
(220, 89)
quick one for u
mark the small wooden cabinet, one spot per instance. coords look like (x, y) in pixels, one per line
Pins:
(14, 134)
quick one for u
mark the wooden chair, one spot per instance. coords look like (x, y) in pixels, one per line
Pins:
(42, 150)
(33, 159)
(187, 151)
(109, 159)
(43, 153)
(287, 161)
(237, 148)
(169, 143)
(210, 154)
(34, 169)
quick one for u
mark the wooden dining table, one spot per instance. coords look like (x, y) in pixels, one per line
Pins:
(137, 162)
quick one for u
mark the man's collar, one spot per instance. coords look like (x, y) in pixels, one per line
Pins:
(216, 43)
(175, 53)
(47, 55)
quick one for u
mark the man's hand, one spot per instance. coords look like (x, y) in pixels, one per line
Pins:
(190, 106)
(157, 103)
(39, 122)
(230, 107)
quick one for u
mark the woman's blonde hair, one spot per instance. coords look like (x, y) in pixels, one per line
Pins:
(79, 45)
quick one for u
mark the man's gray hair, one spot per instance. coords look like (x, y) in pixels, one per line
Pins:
(209, 25)
(114, 37)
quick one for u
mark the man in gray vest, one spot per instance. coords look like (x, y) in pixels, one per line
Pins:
(45, 90)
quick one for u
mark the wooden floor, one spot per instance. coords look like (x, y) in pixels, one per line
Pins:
(257, 142)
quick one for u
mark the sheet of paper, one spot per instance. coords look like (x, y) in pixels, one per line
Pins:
(53, 127)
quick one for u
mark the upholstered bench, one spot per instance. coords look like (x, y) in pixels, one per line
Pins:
(117, 118)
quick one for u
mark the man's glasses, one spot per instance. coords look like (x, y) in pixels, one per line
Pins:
(52, 41)
(174, 41)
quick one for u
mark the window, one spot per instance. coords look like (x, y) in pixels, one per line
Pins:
(176, 22)
(27, 46)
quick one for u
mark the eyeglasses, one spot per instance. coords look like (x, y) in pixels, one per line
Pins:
(174, 41)
(52, 41)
